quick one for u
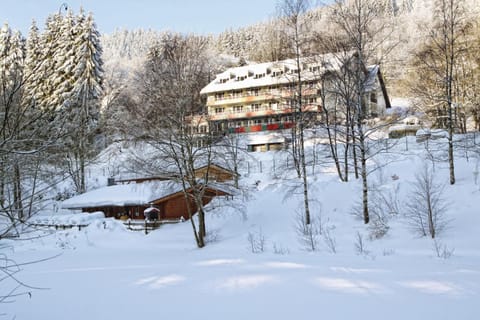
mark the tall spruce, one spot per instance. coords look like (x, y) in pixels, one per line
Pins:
(82, 107)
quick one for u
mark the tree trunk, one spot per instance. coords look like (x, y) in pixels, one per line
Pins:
(366, 216)
(17, 193)
(431, 226)
(304, 176)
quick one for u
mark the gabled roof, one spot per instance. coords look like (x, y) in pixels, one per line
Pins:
(218, 167)
(373, 73)
(134, 194)
(271, 73)
(123, 195)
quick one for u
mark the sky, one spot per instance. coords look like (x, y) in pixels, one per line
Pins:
(197, 16)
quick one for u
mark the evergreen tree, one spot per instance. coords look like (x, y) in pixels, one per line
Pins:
(86, 67)
(32, 63)
(45, 72)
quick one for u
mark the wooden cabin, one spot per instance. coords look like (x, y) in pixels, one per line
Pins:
(130, 201)
(215, 173)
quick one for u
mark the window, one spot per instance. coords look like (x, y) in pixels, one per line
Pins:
(256, 92)
(237, 109)
(219, 110)
(256, 107)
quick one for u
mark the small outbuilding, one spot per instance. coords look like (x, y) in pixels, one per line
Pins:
(266, 142)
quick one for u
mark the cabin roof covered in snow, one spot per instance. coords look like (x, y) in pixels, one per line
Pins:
(123, 195)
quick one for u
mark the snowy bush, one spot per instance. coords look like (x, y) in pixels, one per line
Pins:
(256, 240)
(441, 250)
(309, 235)
(426, 207)
(280, 249)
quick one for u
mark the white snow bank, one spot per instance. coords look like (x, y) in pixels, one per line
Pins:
(68, 219)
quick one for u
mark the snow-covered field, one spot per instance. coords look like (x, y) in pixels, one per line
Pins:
(107, 272)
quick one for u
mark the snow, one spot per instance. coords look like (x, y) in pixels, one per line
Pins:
(245, 76)
(68, 219)
(123, 194)
(107, 272)
(265, 137)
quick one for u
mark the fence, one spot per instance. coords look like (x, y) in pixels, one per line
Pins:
(58, 226)
(148, 226)
(133, 225)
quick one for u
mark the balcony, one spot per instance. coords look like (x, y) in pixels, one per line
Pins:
(252, 97)
(261, 112)
(228, 100)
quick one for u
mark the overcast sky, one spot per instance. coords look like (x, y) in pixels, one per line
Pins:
(199, 16)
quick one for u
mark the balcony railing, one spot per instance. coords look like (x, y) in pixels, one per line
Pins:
(262, 95)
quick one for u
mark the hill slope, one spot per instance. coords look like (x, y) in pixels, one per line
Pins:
(106, 272)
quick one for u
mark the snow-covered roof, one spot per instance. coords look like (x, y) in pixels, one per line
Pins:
(271, 73)
(123, 194)
(370, 82)
(266, 138)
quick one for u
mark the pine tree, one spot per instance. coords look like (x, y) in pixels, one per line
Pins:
(45, 71)
(32, 64)
(83, 104)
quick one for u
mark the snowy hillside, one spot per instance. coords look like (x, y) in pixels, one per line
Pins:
(107, 272)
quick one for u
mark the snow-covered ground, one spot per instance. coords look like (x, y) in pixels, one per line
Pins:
(107, 272)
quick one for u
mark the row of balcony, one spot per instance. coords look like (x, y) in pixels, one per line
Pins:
(262, 95)
(260, 112)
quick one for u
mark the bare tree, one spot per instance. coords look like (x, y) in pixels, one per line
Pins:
(426, 206)
(168, 119)
(25, 138)
(296, 27)
(358, 21)
(440, 62)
